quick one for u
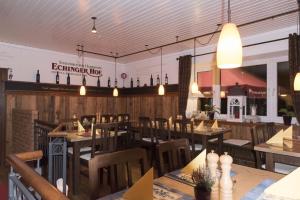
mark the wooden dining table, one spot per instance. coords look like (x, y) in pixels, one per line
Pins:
(245, 179)
(279, 154)
(77, 140)
(208, 134)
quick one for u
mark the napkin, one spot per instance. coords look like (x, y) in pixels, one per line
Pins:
(285, 188)
(277, 139)
(200, 127)
(142, 189)
(80, 127)
(199, 161)
(215, 125)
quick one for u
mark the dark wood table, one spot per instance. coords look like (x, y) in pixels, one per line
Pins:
(279, 154)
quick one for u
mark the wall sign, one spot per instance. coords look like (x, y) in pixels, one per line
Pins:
(76, 69)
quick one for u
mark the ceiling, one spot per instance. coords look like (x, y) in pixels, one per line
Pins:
(125, 26)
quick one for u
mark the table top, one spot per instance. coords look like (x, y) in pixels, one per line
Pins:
(209, 131)
(295, 152)
(246, 178)
(76, 136)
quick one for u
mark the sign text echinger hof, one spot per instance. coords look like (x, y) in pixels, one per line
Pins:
(76, 69)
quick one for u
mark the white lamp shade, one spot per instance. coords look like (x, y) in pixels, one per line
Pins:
(82, 90)
(297, 82)
(223, 94)
(229, 49)
(115, 92)
(195, 88)
(161, 90)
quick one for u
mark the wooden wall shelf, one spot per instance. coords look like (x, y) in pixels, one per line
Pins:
(62, 89)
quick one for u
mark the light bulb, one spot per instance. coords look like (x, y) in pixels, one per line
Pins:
(195, 88)
(229, 49)
(82, 91)
(297, 82)
(161, 90)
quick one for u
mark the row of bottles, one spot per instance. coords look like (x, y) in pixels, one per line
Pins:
(38, 78)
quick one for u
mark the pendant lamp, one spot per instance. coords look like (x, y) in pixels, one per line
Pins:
(94, 30)
(82, 90)
(115, 91)
(229, 49)
(195, 88)
(161, 89)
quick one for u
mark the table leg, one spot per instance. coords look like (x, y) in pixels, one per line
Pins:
(204, 142)
(75, 166)
(220, 144)
(270, 162)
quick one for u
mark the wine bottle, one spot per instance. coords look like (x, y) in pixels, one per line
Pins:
(84, 80)
(98, 81)
(138, 82)
(151, 80)
(157, 80)
(108, 82)
(131, 83)
(57, 78)
(166, 79)
(37, 78)
(68, 79)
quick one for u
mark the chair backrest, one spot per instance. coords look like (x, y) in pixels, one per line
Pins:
(145, 128)
(87, 120)
(162, 128)
(108, 118)
(68, 124)
(106, 141)
(260, 133)
(173, 155)
(120, 170)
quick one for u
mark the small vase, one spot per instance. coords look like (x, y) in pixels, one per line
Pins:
(201, 193)
(287, 120)
(211, 115)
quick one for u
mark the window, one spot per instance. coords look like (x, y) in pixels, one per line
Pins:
(204, 80)
(284, 99)
(253, 79)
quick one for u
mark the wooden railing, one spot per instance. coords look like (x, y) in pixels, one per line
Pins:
(22, 177)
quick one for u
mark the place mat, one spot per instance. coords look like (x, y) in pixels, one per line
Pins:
(186, 178)
(256, 192)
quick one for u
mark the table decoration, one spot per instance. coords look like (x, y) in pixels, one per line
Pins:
(203, 181)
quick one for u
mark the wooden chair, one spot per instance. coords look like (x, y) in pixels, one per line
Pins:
(162, 129)
(120, 171)
(260, 134)
(145, 130)
(184, 128)
(87, 120)
(173, 155)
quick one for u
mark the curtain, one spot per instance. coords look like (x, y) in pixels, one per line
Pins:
(185, 65)
(294, 65)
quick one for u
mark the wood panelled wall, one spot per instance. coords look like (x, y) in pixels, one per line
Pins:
(53, 108)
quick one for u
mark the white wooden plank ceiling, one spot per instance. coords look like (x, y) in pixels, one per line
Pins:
(125, 26)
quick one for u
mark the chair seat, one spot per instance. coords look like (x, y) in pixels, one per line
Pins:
(198, 147)
(82, 150)
(149, 140)
(282, 168)
(236, 142)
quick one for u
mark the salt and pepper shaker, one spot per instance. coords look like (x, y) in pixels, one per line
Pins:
(212, 162)
(226, 181)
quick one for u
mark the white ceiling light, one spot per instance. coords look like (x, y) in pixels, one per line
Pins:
(229, 49)
(82, 90)
(115, 91)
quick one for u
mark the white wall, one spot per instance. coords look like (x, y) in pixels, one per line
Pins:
(25, 61)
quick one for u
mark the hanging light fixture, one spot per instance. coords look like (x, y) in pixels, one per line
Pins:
(195, 88)
(297, 77)
(229, 49)
(115, 91)
(161, 89)
(82, 90)
(94, 25)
